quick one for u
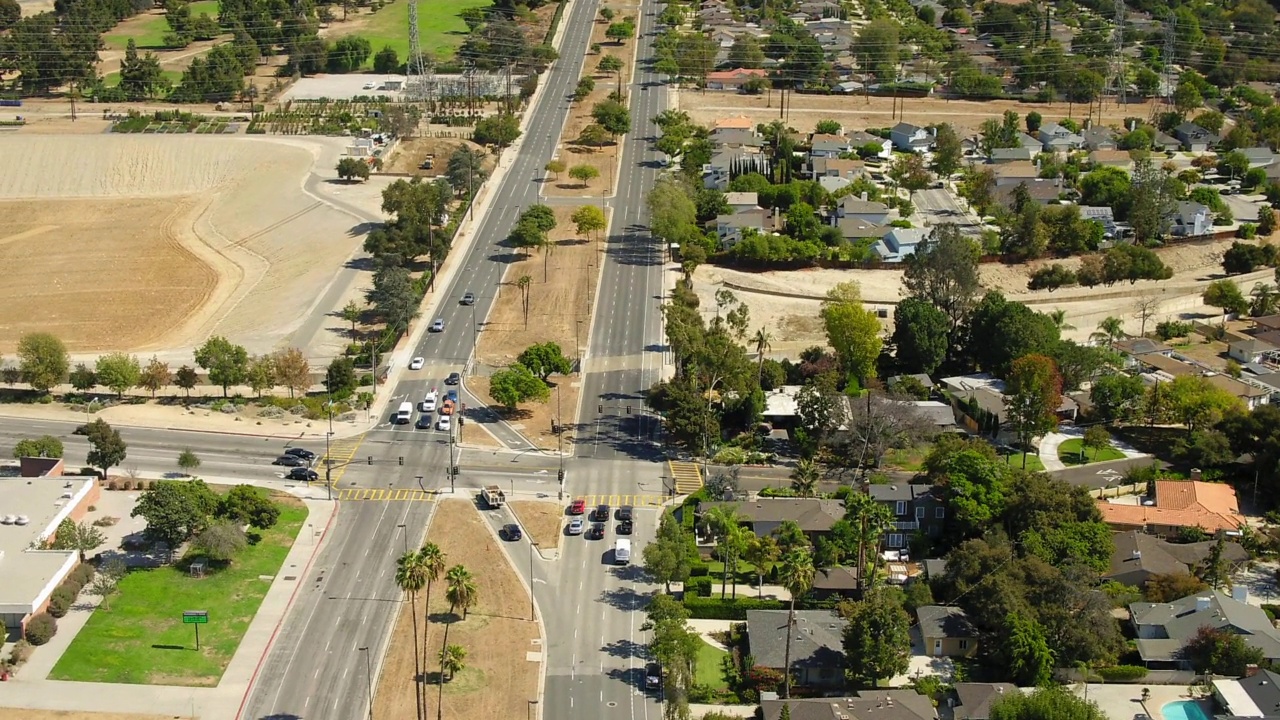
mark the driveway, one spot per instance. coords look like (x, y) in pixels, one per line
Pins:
(1049, 444)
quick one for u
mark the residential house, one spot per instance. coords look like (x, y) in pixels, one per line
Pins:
(814, 516)
(780, 408)
(739, 122)
(1134, 349)
(817, 644)
(1000, 156)
(916, 508)
(973, 701)
(861, 138)
(904, 704)
(1166, 365)
(847, 170)
(729, 228)
(1139, 556)
(1057, 138)
(946, 631)
(1166, 143)
(939, 415)
(717, 172)
(859, 208)
(736, 139)
(1163, 628)
(1112, 158)
(1104, 216)
(1251, 350)
(1043, 191)
(1195, 138)
(1266, 323)
(898, 243)
(828, 146)
(911, 138)
(855, 230)
(839, 581)
(1256, 695)
(819, 9)
(1099, 138)
(1258, 156)
(925, 381)
(1190, 219)
(1178, 504)
(740, 201)
(1014, 173)
(1030, 142)
(986, 393)
(1252, 395)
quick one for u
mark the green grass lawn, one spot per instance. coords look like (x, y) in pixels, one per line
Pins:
(439, 27)
(1033, 461)
(173, 76)
(1069, 453)
(140, 639)
(148, 31)
(709, 672)
(909, 459)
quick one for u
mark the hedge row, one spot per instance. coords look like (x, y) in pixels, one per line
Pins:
(41, 629)
(707, 608)
(1121, 673)
(700, 586)
(64, 596)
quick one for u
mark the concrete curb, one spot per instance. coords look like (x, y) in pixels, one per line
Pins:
(324, 536)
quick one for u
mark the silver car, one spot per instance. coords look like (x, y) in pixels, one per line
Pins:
(437, 325)
(576, 526)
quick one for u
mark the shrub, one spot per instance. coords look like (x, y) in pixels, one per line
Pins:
(21, 653)
(61, 599)
(41, 629)
(113, 485)
(700, 586)
(1272, 611)
(727, 609)
(106, 521)
(93, 508)
(81, 576)
(1122, 673)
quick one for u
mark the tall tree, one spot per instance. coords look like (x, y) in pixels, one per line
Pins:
(761, 552)
(943, 271)
(118, 371)
(42, 360)
(877, 639)
(947, 152)
(431, 561)
(461, 593)
(921, 334)
(106, 448)
(796, 575)
(1034, 393)
(225, 362)
(852, 330)
(411, 578)
(1027, 652)
(155, 375)
(292, 370)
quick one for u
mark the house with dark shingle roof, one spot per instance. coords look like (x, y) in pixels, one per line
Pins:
(1163, 628)
(947, 631)
(1138, 557)
(817, 644)
(973, 701)
(1195, 138)
(815, 516)
(1256, 695)
(866, 705)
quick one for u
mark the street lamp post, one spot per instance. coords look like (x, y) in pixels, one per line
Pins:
(531, 546)
(577, 344)
(475, 331)
(368, 669)
(328, 459)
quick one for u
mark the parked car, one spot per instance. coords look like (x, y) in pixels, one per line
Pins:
(443, 423)
(578, 507)
(417, 363)
(424, 421)
(290, 461)
(453, 379)
(652, 676)
(469, 299)
(576, 526)
(512, 532)
(302, 453)
(301, 473)
(428, 403)
(437, 325)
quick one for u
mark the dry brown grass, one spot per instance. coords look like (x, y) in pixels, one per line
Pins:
(533, 420)
(24, 714)
(497, 634)
(470, 433)
(410, 154)
(541, 520)
(603, 159)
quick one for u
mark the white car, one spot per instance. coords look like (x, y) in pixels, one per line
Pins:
(443, 423)
(576, 526)
(417, 363)
(370, 86)
(429, 402)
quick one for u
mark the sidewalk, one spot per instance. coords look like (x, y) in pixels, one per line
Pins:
(1049, 444)
(30, 688)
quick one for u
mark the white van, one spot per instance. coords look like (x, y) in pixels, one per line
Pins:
(404, 414)
(622, 552)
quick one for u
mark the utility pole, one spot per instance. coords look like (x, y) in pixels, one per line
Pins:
(328, 459)
(509, 110)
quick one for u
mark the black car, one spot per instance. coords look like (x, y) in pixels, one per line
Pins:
(453, 379)
(624, 527)
(512, 532)
(302, 453)
(304, 474)
(597, 531)
(624, 513)
(290, 461)
(602, 512)
(653, 676)
(424, 421)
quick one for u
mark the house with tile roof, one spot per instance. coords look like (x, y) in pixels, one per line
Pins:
(1178, 504)
(734, 79)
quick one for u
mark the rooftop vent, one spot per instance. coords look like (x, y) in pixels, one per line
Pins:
(66, 496)
(1137, 554)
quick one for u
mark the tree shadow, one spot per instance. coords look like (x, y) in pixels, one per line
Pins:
(169, 647)
(572, 242)
(445, 618)
(367, 264)
(506, 258)
(624, 649)
(621, 598)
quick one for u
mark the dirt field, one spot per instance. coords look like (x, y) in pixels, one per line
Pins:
(534, 420)
(24, 714)
(499, 679)
(795, 324)
(188, 236)
(410, 154)
(471, 433)
(604, 159)
(857, 112)
(542, 520)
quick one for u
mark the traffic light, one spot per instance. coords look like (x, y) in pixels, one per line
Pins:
(560, 476)
(401, 459)
(599, 409)
(628, 409)
(370, 459)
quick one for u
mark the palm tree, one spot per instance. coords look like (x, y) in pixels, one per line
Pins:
(411, 577)
(804, 479)
(723, 521)
(1265, 299)
(523, 283)
(451, 660)
(1059, 318)
(1110, 330)
(797, 577)
(432, 559)
(736, 543)
(763, 341)
(761, 551)
(460, 594)
(870, 519)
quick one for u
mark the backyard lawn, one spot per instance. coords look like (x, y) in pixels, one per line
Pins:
(439, 26)
(148, 30)
(173, 76)
(141, 639)
(909, 459)
(1069, 453)
(1033, 461)
(709, 671)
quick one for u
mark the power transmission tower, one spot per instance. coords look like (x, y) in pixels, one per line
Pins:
(1170, 36)
(415, 83)
(1117, 55)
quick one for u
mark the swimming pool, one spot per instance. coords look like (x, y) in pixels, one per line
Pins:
(1183, 710)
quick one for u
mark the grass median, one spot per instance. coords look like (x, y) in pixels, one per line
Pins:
(141, 638)
(1069, 452)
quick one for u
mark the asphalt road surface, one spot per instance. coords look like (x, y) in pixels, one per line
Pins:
(309, 671)
(939, 206)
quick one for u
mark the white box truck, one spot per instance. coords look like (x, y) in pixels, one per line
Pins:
(622, 552)
(493, 496)
(404, 414)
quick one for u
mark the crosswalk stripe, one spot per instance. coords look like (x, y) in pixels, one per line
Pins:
(341, 452)
(384, 495)
(686, 475)
(620, 500)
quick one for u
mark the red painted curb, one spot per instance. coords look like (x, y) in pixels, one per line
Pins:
(270, 642)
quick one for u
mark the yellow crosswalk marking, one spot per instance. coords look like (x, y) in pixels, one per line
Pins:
(385, 495)
(686, 475)
(620, 500)
(341, 452)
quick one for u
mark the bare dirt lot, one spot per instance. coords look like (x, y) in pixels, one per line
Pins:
(499, 678)
(24, 714)
(542, 520)
(159, 242)
(857, 112)
(409, 155)
(603, 159)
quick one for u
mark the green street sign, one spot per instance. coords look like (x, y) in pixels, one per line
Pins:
(195, 617)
